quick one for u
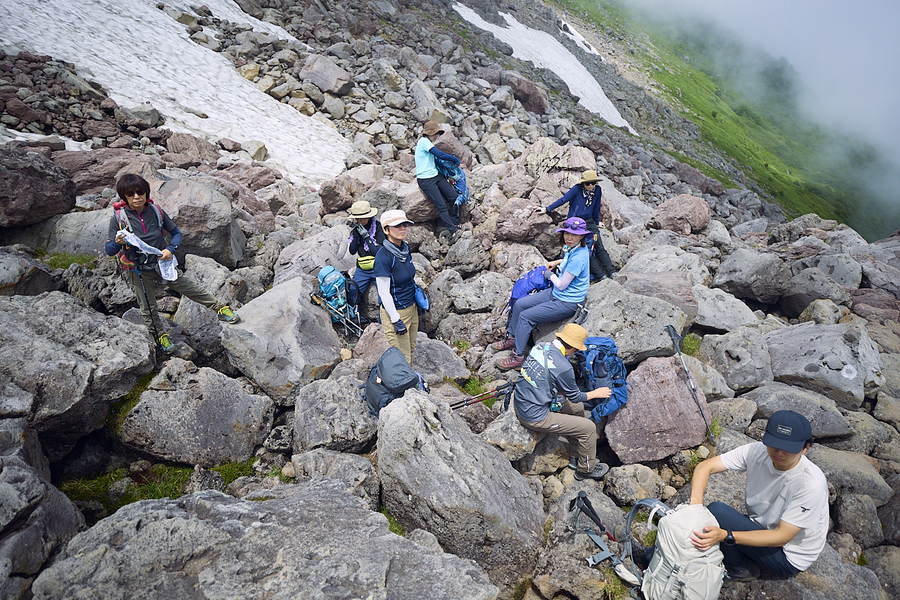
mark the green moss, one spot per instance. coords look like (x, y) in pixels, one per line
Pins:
(650, 539)
(475, 385)
(716, 427)
(862, 560)
(394, 526)
(232, 470)
(62, 260)
(521, 588)
(161, 481)
(690, 345)
(461, 345)
(119, 409)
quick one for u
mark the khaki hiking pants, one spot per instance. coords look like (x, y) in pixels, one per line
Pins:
(406, 343)
(571, 422)
(184, 285)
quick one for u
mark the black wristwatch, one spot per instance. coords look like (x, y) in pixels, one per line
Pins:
(729, 539)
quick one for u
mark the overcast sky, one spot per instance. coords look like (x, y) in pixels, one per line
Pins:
(847, 53)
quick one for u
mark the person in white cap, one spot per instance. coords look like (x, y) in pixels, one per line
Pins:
(786, 500)
(395, 279)
(366, 239)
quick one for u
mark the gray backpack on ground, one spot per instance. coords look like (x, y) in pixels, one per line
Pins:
(389, 379)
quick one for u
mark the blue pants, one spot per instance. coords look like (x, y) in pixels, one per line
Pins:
(737, 555)
(443, 196)
(363, 279)
(530, 310)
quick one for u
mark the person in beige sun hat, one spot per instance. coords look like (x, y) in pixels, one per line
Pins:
(547, 378)
(366, 238)
(584, 201)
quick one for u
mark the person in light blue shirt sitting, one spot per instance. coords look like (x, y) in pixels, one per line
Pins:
(556, 303)
(435, 187)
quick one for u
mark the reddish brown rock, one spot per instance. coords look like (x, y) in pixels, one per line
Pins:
(32, 188)
(684, 214)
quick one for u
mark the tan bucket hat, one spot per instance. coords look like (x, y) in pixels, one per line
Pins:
(589, 176)
(393, 218)
(361, 209)
(431, 128)
(573, 335)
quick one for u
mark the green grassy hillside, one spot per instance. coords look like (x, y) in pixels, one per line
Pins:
(743, 102)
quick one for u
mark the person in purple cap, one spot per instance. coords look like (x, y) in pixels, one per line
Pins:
(556, 303)
(786, 502)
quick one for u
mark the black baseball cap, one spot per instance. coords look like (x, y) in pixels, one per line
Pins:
(788, 431)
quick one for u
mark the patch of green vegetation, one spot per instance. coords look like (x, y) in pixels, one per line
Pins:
(650, 539)
(461, 345)
(475, 385)
(615, 589)
(690, 345)
(232, 470)
(716, 427)
(119, 409)
(161, 481)
(521, 588)
(394, 526)
(862, 560)
(548, 525)
(63, 260)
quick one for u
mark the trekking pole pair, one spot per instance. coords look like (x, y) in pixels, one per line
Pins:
(676, 340)
(501, 391)
(350, 326)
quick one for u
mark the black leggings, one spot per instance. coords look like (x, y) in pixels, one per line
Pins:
(443, 196)
(601, 264)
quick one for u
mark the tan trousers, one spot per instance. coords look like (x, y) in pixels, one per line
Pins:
(573, 423)
(406, 343)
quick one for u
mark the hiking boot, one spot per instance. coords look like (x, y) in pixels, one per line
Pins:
(507, 343)
(573, 463)
(600, 469)
(226, 314)
(748, 573)
(166, 343)
(513, 361)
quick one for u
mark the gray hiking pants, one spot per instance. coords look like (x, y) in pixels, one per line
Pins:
(184, 285)
(573, 423)
(530, 310)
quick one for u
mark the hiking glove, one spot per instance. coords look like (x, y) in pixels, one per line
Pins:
(400, 327)
(361, 231)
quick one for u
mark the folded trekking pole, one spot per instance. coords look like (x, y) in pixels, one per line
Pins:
(501, 391)
(676, 340)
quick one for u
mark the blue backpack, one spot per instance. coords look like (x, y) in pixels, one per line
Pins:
(454, 174)
(333, 288)
(531, 282)
(601, 367)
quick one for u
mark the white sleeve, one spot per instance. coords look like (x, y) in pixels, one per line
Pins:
(387, 301)
(736, 460)
(563, 282)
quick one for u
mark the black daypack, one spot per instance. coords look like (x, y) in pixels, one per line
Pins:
(389, 378)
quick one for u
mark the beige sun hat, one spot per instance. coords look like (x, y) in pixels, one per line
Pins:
(361, 209)
(589, 176)
(573, 335)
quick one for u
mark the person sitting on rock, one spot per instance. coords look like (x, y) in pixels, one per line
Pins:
(366, 239)
(395, 279)
(435, 187)
(547, 400)
(556, 303)
(584, 201)
(786, 499)
(137, 214)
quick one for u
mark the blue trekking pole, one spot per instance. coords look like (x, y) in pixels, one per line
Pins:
(676, 339)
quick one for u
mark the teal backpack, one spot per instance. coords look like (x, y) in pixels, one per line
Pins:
(333, 289)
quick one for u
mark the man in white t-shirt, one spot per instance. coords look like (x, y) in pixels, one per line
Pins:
(786, 500)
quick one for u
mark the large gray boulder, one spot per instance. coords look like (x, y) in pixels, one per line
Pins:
(23, 275)
(73, 361)
(741, 356)
(638, 323)
(808, 285)
(437, 475)
(283, 340)
(203, 213)
(32, 188)
(481, 293)
(197, 416)
(660, 259)
(839, 267)
(753, 275)
(661, 416)
(325, 74)
(839, 361)
(880, 274)
(467, 255)
(305, 257)
(719, 311)
(823, 416)
(440, 297)
(708, 379)
(850, 473)
(437, 362)
(330, 414)
(670, 286)
(75, 233)
(510, 437)
(293, 541)
(355, 471)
